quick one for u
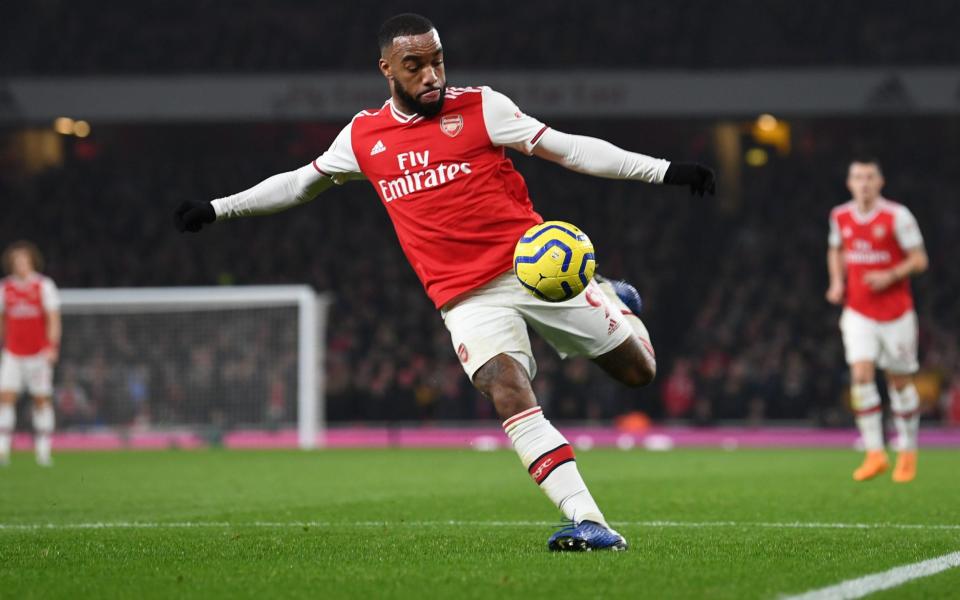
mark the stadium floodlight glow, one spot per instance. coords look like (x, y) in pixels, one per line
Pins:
(63, 125)
(767, 122)
(81, 129)
(756, 157)
(771, 131)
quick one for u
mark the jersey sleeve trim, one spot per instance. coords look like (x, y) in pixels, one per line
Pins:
(536, 138)
(506, 124)
(319, 170)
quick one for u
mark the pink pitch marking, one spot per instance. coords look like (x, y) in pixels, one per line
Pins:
(479, 437)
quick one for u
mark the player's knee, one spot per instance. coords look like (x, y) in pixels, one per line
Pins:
(862, 373)
(505, 382)
(898, 382)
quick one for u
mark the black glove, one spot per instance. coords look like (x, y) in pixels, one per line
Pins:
(698, 177)
(190, 215)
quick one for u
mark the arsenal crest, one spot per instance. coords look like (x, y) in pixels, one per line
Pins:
(451, 124)
(879, 231)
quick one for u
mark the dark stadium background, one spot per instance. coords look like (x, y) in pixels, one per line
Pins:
(733, 286)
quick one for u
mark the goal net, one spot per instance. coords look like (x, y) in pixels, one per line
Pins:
(211, 360)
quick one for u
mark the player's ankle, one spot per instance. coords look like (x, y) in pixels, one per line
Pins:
(596, 517)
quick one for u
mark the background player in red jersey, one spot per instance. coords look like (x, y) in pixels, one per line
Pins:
(878, 245)
(30, 328)
(435, 156)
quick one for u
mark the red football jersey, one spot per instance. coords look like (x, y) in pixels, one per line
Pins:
(456, 202)
(24, 304)
(872, 242)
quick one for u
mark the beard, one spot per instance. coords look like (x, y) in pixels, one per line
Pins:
(427, 110)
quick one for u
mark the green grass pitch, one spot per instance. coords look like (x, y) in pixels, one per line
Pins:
(462, 524)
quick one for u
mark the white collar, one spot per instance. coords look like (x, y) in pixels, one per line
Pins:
(868, 216)
(21, 281)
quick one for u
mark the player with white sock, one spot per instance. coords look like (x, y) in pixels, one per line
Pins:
(435, 156)
(875, 246)
(30, 328)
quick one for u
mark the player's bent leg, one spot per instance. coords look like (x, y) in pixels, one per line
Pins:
(634, 361)
(8, 421)
(546, 454)
(630, 363)
(505, 382)
(865, 401)
(905, 406)
(43, 422)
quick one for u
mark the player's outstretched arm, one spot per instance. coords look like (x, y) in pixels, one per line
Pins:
(271, 195)
(597, 157)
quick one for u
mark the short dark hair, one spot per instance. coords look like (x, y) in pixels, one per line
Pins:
(400, 25)
(29, 247)
(868, 160)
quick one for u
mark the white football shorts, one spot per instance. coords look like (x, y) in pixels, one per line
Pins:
(493, 319)
(890, 345)
(33, 373)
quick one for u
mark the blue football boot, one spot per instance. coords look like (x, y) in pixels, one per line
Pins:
(626, 292)
(585, 537)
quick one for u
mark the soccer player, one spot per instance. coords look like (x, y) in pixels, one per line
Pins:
(874, 247)
(435, 156)
(30, 328)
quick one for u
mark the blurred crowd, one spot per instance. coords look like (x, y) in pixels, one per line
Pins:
(219, 367)
(733, 287)
(69, 37)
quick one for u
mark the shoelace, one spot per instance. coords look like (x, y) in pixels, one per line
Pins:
(566, 526)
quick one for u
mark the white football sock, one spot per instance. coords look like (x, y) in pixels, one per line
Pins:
(42, 428)
(549, 459)
(905, 406)
(8, 420)
(865, 400)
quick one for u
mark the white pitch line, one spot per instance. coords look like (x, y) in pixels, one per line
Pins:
(456, 523)
(868, 584)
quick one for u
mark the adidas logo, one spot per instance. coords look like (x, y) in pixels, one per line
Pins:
(378, 148)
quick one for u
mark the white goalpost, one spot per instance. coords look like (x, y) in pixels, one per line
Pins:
(197, 358)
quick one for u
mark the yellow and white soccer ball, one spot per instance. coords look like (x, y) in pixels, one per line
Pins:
(554, 261)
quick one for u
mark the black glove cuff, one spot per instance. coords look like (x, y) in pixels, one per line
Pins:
(208, 214)
(680, 174)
